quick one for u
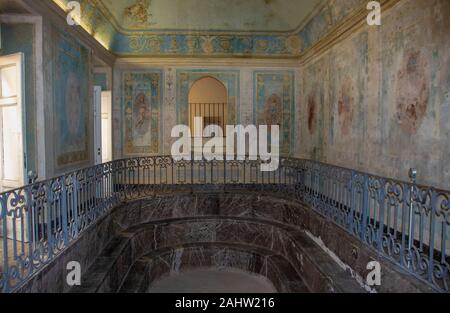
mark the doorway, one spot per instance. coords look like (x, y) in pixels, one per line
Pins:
(208, 98)
(102, 125)
(12, 166)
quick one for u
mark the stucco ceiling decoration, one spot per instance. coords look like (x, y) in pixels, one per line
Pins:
(217, 28)
(230, 16)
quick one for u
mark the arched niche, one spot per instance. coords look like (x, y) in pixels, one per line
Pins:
(208, 100)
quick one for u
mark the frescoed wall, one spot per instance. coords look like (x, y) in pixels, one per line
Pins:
(415, 91)
(379, 100)
(274, 102)
(348, 100)
(142, 112)
(375, 99)
(72, 97)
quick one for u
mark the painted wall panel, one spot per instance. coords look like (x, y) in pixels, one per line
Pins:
(72, 96)
(315, 81)
(142, 112)
(274, 102)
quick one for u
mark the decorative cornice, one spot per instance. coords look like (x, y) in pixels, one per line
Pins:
(198, 62)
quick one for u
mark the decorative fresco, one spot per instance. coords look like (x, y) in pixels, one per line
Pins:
(383, 108)
(211, 15)
(138, 13)
(349, 98)
(145, 40)
(142, 101)
(313, 112)
(334, 103)
(71, 100)
(274, 102)
(185, 80)
(415, 90)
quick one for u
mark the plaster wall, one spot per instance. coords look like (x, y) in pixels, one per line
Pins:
(379, 100)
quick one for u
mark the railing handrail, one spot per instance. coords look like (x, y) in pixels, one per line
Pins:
(405, 222)
(360, 172)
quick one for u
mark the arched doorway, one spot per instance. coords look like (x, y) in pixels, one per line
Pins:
(208, 98)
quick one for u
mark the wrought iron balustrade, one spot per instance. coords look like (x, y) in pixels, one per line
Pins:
(39, 221)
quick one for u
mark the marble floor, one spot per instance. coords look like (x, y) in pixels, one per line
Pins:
(212, 281)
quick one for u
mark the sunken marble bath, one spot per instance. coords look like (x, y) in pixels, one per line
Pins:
(166, 234)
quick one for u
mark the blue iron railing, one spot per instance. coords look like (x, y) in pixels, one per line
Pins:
(406, 223)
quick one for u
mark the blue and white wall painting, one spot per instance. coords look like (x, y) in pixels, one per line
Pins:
(20, 38)
(185, 80)
(99, 20)
(142, 112)
(71, 100)
(274, 103)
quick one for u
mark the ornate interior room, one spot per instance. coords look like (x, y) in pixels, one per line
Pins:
(93, 200)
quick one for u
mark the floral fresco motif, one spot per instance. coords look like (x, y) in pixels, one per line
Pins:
(71, 100)
(143, 94)
(139, 12)
(274, 110)
(345, 106)
(274, 103)
(349, 74)
(413, 94)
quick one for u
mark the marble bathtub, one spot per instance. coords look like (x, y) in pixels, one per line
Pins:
(151, 237)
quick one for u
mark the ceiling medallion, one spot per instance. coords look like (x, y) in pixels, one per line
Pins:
(139, 12)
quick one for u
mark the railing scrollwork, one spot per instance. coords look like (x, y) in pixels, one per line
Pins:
(404, 222)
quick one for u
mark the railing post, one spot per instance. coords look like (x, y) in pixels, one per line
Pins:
(64, 211)
(351, 215)
(48, 212)
(365, 208)
(76, 199)
(381, 219)
(412, 177)
(30, 206)
(432, 237)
